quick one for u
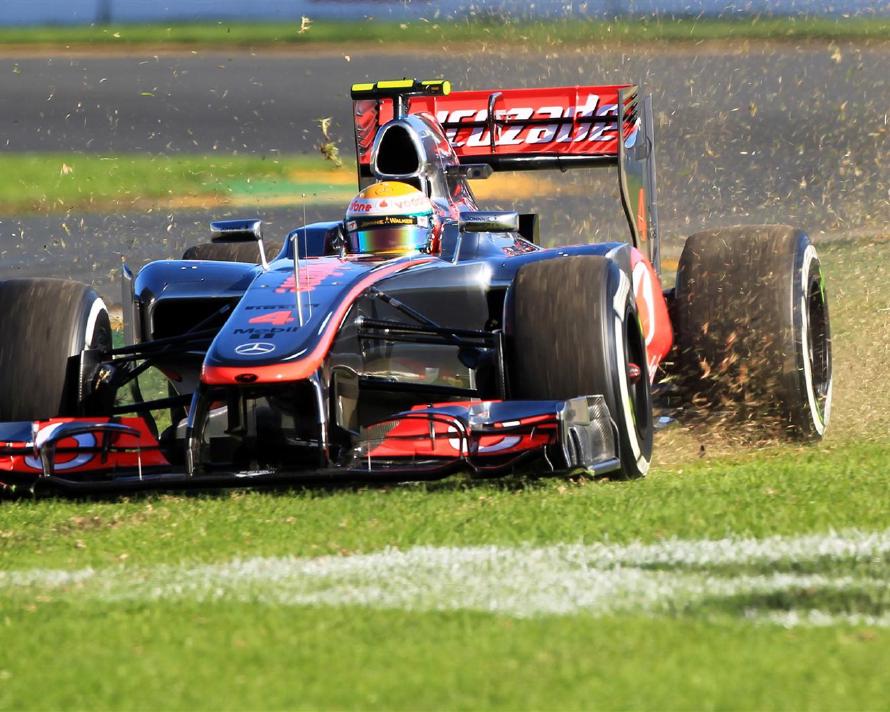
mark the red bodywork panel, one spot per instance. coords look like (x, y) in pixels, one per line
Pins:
(74, 455)
(431, 432)
(655, 322)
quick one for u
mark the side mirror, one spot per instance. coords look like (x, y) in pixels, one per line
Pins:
(489, 221)
(240, 230)
(339, 241)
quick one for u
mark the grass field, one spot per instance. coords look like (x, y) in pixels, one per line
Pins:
(485, 30)
(57, 183)
(519, 625)
(740, 576)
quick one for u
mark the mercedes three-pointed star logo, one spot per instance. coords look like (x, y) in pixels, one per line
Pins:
(255, 348)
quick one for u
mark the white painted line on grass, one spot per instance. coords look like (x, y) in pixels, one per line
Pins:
(600, 579)
(817, 618)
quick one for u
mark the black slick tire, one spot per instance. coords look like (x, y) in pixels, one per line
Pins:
(574, 331)
(43, 323)
(752, 327)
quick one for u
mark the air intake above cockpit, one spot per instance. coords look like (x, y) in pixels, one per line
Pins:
(398, 153)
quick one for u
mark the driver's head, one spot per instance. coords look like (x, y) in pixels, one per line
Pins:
(389, 219)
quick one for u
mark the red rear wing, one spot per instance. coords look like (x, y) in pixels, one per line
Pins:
(496, 126)
(525, 129)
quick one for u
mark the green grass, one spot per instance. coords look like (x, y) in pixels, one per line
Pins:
(68, 650)
(55, 182)
(783, 491)
(420, 33)
(237, 656)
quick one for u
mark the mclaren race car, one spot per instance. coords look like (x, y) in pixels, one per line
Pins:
(420, 335)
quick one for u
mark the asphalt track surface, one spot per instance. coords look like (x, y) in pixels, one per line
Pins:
(767, 133)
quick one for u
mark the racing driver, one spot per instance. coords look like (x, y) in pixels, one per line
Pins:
(389, 219)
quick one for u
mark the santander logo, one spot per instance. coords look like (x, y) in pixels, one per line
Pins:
(576, 130)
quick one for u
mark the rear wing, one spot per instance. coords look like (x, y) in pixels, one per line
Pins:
(529, 129)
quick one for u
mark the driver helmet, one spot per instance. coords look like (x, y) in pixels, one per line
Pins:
(390, 219)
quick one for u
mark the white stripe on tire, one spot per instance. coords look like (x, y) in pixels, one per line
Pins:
(621, 365)
(96, 308)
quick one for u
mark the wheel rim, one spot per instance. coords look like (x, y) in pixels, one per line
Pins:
(818, 343)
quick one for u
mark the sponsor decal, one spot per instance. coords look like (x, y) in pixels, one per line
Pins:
(392, 206)
(276, 318)
(518, 248)
(254, 348)
(360, 206)
(387, 221)
(64, 460)
(312, 274)
(569, 126)
(268, 332)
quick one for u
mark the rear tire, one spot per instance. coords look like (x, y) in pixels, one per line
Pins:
(44, 323)
(574, 328)
(752, 326)
(231, 251)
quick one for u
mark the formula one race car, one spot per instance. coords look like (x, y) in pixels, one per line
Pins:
(419, 336)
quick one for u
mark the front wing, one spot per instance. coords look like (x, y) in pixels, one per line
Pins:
(485, 438)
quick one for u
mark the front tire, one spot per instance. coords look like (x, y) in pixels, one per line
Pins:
(752, 326)
(43, 324)
(575, 332)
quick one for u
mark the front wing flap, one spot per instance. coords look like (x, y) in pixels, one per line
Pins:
(493, 437)
(487, 438)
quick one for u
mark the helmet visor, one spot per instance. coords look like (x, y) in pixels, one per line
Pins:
(388, 235)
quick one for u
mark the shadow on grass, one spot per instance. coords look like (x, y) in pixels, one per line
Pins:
(446, 486)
